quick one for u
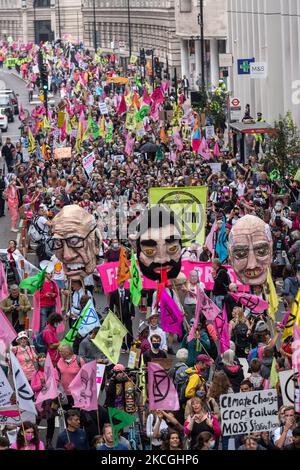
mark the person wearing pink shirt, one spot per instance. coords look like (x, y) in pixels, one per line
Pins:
(50, 337)
(68, 367)
(26, 355)
(28, 438)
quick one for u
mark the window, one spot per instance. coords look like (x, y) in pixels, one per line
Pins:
(42, 3)
(185, 6)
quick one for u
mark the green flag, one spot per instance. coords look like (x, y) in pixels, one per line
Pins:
(95, 130)
(34, 283)
(72, 333)
(109, 133)
(119, 420)
(143, 112)
(159, 154)
(109, 338)
(137, 82)
(136, 283)
(87, 132)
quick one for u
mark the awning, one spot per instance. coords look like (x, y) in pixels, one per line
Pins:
(254, 128)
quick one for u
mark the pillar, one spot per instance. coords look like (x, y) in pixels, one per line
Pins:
(214, 62)
(25, 26)
(197, 63)
(53, 22)
(185, 60)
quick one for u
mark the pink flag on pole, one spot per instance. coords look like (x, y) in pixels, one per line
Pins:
(146, 100)
(129, 144)
(210, 238)
(84, 387)
(122, 108)
(158, 96)
(170, 314)
(154, 112)
(206, 306)
(253, 302)
(178, 141)
(3, 284)
(161, 390)
(296, 348)
(22, 114)
(7, 333)
(49, 391)
(172, 156)
(223, 331)
(204, 150)
(216, 150)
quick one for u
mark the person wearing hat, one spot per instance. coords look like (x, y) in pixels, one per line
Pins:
(153, 319)
(16, 306)
(48, 296)
(26, 355)
(115, 393)
(143, 342)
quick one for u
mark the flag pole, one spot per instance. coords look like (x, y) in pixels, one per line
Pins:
(98, 420)
(64, 422)
(22, 424)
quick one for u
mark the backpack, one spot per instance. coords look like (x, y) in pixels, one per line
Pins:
(35, 233)
(180, 379)
(39, 343)
(240, 335)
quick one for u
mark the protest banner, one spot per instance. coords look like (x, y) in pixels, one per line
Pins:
(209, 132)
(103, 108)
(5, 390)
(64, 152)
(10, 415)
(250, 412)
(120, 80)
(108, 274)
(189, 207)
(99, 376)
(215, 167)
(88, 163)
(288, 380)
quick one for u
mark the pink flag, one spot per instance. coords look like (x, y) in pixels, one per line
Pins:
(49, 390)
(204, 150)
(84, 387)
(170, 314)
(22, 114)
(172, 156)
(216, 150)
(178, 141)
(129, 144)
(3, 284)
(7, 333)
(154, 112)
(158, 96)
(296, 348)
(146, 100)
(253, 302)
(122, 108)
(206, 306)
(210, 238)
(223, 331)
(161, 390)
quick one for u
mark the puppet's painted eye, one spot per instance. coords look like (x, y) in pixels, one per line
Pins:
(149, 251)
(173, 249)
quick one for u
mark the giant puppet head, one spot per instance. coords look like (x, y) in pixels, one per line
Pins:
(76, 241)
(158, 242)
(250, 250)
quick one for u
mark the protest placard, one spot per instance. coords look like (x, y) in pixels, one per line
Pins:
(99, 376)
(103, 108)
(288, 379)
(63, 152)
(250, 412)
(88, 163)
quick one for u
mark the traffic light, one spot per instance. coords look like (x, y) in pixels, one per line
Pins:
(174, 82)
(157, 68)
(142, 57)
(166, 74)
(44, 76)
(42, 95)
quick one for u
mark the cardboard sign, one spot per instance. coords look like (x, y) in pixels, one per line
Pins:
(64, 152)
(134, 358)
(87, 163)
(103, 108)
(209, 132)
(250, 412)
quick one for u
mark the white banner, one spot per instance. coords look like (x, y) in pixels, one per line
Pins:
(5, 390)
(99, 376)
(103, 108)
(88, 163)
(245, 413)
(24, 393)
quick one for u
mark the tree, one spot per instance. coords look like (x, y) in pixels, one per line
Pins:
(284, 147)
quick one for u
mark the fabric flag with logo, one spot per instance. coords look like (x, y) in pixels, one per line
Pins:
(83, 387)
(119, 419)
(24, 393)
(204, 150)
(142, 113)
(123, 269)
(102, 127)
(49, 390)
(296, 348)
(170, 315)
(221, 245)
(223, 331)
(122, 108)
(109, 133)
(31, 142)
(95, 129)
(7, 335)
(293, 318)
(157, 96)
(72, 333)
(89, 321)
(206, 306)
(34, 283)
(272, 297)
(216, 150)
(136, 283)
(196, 140)
(161, 390)
(255, 303)
(109, 338)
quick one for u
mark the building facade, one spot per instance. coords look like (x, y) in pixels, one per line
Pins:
(269, 32)
(187, 19)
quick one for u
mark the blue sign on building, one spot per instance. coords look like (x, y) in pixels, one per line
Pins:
(244, 66)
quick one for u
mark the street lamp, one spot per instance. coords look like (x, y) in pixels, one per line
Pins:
(34, 21)
(201, 24)
(94, 17)
(59, 25)
(129, 27)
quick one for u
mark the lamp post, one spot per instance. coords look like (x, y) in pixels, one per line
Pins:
(201, 24)
(94, 18)
(129, 28)
(59, 24)
(34, 21)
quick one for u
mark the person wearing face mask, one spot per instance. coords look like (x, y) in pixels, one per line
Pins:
(28, 438)
(113, 253)
(50, 337)
(48, 411)
(227, 203)
(155, 352)
(154, 329)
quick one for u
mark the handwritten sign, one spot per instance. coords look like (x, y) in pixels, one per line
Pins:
(103, 108)
(88, 163)
(64, 152)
